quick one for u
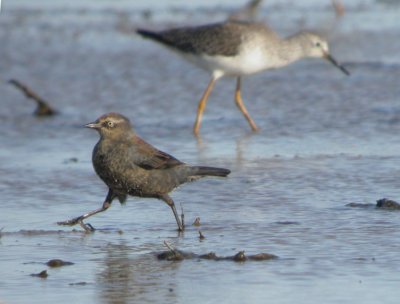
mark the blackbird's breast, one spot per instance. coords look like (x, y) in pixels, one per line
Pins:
(115, 166)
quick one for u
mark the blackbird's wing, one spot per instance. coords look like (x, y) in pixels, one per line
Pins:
(149, 158)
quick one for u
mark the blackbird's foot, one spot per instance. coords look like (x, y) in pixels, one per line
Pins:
(78, 220)
(71, 222)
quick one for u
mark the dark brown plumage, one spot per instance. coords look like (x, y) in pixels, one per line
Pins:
(130, 166)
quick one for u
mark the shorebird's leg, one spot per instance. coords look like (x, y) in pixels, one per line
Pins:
(79, 219)
(166, 198)
(202, 105)
(242, 108)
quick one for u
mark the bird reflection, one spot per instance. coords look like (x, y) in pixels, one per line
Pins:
(127, 278)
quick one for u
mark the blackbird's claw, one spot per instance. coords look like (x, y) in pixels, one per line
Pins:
(87, 227)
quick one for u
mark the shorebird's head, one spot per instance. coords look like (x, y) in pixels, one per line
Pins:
(316, 46)
(111, 125)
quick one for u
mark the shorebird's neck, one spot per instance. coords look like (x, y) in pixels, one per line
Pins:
(292, 48)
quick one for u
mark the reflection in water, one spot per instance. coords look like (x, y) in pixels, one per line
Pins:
(241, 143)
(135, 279)
(241, 148)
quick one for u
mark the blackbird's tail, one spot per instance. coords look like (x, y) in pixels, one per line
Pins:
(211, 171)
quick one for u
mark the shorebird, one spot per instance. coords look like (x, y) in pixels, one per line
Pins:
(238, 48)
(130, 166)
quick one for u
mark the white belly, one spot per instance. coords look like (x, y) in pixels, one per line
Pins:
(248, 62)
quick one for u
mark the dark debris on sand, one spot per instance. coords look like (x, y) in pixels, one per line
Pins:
(383, 203)
(201, 236)
(43, 274)
(79, 284)
(58, 263)
(196, 222)
(360, 205)
(174, 254)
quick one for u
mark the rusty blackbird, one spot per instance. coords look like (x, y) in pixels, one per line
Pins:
(130, 166)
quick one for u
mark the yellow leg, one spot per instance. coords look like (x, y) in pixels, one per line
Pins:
(242, 108)
(202, 106)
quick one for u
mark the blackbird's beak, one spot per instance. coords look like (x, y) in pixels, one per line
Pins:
(93, 125)
(336, 64)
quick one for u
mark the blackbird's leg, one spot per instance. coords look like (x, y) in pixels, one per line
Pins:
(79, 219)
(242, 108)
(166, 198)
(202, 106)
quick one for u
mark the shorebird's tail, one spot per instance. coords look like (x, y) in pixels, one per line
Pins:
(151, 35)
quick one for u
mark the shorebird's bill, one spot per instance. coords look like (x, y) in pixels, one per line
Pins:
(336, 64)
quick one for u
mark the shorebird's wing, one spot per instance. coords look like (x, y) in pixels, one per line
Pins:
(149, 158)
(212, 39)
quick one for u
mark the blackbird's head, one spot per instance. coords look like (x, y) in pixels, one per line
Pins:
(111, 125)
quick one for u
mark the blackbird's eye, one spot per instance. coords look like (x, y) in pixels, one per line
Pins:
(109, 124)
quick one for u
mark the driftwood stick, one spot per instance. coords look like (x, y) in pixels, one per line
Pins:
(169, 247)
(177, 256)
(43, 109)
(201, 236)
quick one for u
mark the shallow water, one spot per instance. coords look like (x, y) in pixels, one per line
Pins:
(327, 140)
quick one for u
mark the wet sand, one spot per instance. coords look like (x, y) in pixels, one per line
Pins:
(326, 141)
